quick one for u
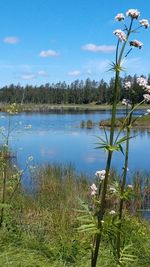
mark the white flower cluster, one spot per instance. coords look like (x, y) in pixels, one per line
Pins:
(147, 88)
(101, 174)
(127, 85)
(130, 186)
(136, 43)
(112, 212)
(30, 158)
(112, 190)
(144, 23)
(120, 17)
(144, 84)
(126, 102)
(93, 189)
(120, 34)
(133, 13)
(146, 97)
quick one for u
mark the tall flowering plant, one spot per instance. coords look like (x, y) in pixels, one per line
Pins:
(99, 191)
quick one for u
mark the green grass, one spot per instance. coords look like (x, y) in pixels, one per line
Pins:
(41, 229)
(141, 122)
(31, 107)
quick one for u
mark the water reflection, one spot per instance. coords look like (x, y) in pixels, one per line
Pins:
(58, 138)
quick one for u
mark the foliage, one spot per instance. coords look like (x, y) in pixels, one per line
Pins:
(41, 229)
(78, 92)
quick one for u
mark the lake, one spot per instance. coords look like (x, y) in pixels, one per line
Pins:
(58, 138)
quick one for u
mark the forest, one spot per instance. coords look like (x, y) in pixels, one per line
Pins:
(78, 92)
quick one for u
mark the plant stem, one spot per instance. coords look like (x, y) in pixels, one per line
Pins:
(97, 239)
(4, 173)
(123, 184)
(108, 165)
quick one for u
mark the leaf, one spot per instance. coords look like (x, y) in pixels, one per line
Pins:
(123, 139)
(105, 134)
(121, 149)
(87, 220)
(126, 257)
(101, 139)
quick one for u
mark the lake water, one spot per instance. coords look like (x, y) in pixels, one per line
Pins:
(58, 138)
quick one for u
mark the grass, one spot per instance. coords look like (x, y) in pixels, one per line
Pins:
(141, 122)
(31, 107)
(41, 229)
(138, 122)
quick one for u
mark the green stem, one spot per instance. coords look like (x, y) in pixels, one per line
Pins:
(4, 173)
(108, 165)
(124, 44)
(97, 239)
(127, 117)
(122, 192)
(123, 185)
(8, 131)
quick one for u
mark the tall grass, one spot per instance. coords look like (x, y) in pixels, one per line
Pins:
(41, 228)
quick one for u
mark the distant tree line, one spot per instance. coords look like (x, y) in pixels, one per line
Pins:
(78, 92)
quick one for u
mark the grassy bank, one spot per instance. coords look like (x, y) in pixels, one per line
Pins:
(138, 122)
(42, 229)
(63, 107)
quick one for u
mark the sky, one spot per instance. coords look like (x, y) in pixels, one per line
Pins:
(47, 41)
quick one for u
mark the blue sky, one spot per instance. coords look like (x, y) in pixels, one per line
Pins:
(46, 40)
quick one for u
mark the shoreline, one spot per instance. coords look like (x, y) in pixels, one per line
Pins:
(49, 108)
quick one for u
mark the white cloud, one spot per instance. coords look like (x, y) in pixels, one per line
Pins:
(99, 48)
(11, 40)
(28, 77)
(42, 73)
(49, 53)
(74, 73)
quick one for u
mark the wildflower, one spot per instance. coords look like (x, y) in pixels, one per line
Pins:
(93, 189)
(5, 146)
(102, 221)
(120, 34)
(30, 158)
(12, 109)
(112, 189)
(15, 166)
(101, 174)
(133, 13)
(136, 43)
(127, 85)
(148, 110)
(112, 212)
(126, 102)
(146, 97)
(144, 23)
(130, 186)
(120, 17)
(142, 82)
(147, 88)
